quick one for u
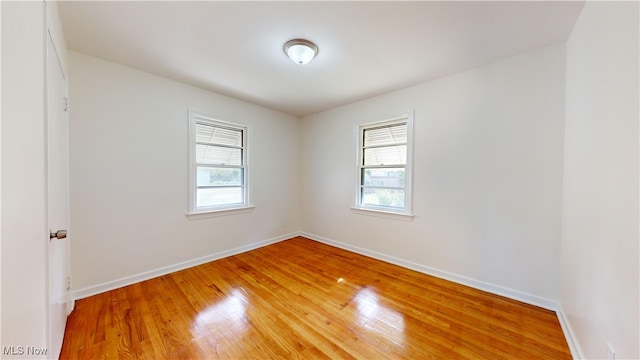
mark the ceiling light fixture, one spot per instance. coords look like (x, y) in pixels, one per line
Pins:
(300, 51)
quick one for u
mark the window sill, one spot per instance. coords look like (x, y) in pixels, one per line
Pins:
(383, 214)
(221, 212)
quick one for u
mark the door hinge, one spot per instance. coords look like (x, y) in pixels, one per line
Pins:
(68, 283)
(66, 104)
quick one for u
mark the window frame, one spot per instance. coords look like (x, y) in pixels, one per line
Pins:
(224, 209)
(384, 211)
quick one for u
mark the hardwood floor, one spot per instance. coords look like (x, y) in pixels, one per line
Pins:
(306, 300)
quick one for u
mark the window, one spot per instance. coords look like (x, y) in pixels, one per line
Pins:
(384, 166)
(218, 165)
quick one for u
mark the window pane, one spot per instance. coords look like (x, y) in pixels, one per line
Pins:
(209, 176)
(386, 135)
(391, 198)
(388, 155)
(217, 155)
(388, 177)
(218, 135)
(219, 196)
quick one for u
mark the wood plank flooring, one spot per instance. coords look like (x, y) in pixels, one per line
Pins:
(300, 299)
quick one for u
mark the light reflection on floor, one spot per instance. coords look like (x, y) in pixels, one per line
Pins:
(226, 316)
(375, 317)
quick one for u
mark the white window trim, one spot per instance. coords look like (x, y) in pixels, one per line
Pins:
(193, 213)
(217, 213)
(383, 214)
(405, 214)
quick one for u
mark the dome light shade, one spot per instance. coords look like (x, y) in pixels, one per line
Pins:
(300, 51)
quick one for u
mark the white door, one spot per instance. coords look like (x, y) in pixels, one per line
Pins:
(58, 199)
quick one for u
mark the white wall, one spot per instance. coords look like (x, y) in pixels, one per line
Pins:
(129, 173)
(599, 256)
(487, 175)
(24, 221)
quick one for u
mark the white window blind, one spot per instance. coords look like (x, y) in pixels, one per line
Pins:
(218, 165)
(384, 172)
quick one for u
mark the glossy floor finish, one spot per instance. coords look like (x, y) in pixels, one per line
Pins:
(306, 300)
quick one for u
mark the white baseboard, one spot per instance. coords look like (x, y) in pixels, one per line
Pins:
(476, 284)
(118, 283)
(71, 304)
(569, 335)
(572, 340)
(542, 302)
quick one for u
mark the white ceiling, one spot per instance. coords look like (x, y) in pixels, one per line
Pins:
(366, 48)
